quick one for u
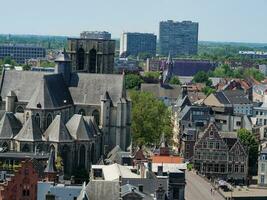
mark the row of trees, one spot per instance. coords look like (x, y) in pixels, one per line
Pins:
(133, 81)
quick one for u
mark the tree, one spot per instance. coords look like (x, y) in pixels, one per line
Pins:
(59, 163)
(150, 118)
(202, 77)
(133, 81)
(175, 80)
(250, 142)
(254, 73)
(208, 90)
(153, 75)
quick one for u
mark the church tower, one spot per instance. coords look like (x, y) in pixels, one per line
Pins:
(63, 66)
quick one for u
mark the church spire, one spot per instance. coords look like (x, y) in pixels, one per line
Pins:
(50, 170)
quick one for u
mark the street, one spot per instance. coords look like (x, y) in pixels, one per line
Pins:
(199, 189)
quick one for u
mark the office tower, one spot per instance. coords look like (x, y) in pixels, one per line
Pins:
(21, 53)
(103, 35)
(178, 38)
(135, 43)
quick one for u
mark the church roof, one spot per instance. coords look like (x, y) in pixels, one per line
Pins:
(9, 126)
(50, 93)
(57, 131)
(79, 128)
(30, 131)
(22, 83)
(87, 88)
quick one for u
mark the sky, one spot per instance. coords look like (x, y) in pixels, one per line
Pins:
(219, 20)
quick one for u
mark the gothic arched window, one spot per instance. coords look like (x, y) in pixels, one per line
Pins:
(5, 146)
(19, 109)
(38, 119)
(92, 61)
(96, 116)
(82, 112)
(80, 58)
(49, 119)
(25, 148)
(82, 156)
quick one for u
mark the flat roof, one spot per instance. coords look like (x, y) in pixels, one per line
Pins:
(73, 38)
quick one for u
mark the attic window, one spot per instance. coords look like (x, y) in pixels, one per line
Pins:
(39, 105)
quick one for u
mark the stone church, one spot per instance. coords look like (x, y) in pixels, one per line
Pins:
(92, 55)
(79, 115)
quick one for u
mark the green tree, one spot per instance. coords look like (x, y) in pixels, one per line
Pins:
(202, 77)
(59, 163)
(175, 80)
(208, 90)
(254, 73)
(250, 142)
(150, 118)
(152, 75)
(133, 81)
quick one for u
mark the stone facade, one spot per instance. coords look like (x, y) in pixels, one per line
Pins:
(79, 115)
(92, 55)
(220, 156)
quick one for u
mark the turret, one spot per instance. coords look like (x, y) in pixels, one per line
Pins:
(63, 66)
(50, 170)
(10, 101)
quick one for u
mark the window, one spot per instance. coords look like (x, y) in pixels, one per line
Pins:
(96, 116)
(229, 168)
(262, 179)
(238, 123)
(210, 145)
(262, 167)
(236, 168)
(242, 168)
(48, 119)
(217, 145)
(37, 119)
(187, 146)
(222, 168)
(19, 109)
(216, 168)
(204, 145)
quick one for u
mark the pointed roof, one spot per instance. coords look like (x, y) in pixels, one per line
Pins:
(169, 60)
(51, 167)
(63, 57)
(105, 96)
(9, 126)
(79, 128)
(30, 131)
(50, 93)
(57, 131)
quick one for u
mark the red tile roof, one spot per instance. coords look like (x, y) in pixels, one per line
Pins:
(167, 159)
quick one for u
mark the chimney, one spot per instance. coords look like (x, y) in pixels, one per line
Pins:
(140, 188)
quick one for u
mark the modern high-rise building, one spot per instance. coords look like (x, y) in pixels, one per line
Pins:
(96, 35)
(178, 38)
(21, 53)
(135, 43)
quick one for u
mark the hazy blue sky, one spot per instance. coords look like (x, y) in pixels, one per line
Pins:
(219, 20)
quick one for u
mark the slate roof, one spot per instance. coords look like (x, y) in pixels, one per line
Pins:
(51, 167)
(57, 131)
(232, 97)
(79, 128)
(22, 83)
(9, 126)
(30, 132)
(128, 189)
(50, 93)
(87, 88)
(170, 91)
